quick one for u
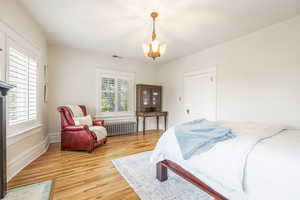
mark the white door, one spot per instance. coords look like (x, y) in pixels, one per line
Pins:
(2, 56)
(200, 95)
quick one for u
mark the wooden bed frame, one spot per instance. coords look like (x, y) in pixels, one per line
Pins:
(162, 175)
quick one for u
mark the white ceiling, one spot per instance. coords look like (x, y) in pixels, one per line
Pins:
(186, 26)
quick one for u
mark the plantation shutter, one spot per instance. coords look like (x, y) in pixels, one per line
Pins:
(32, 82)
(108, 94)
(22, 100)
(123, 95)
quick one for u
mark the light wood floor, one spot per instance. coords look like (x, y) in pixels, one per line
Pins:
(82, 175)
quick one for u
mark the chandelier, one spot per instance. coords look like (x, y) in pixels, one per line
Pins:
(154, 49)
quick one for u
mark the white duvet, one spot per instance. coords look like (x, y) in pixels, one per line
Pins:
(234, 167)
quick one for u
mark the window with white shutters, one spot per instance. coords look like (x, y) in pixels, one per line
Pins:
(22, 100)
(116, 92)
(108, 95)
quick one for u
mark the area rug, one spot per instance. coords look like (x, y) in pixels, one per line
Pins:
(36, 191)
(141, 176)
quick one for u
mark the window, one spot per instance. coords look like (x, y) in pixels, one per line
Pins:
(22, 100)
(116, 92)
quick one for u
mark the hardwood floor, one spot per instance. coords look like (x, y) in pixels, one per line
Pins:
(82, 175)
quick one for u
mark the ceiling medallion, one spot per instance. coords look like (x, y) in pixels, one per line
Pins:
(154, 49)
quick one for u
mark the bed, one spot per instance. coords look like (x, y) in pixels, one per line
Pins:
(262, 162)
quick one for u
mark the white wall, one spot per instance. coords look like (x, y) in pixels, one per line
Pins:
(16, 22)
(257, 76)
(72, 78)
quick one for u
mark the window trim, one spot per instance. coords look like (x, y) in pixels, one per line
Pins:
(29, 50)
(115, 74)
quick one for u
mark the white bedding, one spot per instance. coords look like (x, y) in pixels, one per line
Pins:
(244, 167)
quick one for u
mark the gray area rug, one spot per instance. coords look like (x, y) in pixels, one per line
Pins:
(36, 191)
(141, 176)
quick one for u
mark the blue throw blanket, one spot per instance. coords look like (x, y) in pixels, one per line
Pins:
(199, 136)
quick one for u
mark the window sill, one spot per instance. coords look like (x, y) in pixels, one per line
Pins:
(15, 137)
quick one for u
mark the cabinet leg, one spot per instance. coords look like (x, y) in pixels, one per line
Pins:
(166, 119)
(137, 124)
(144, 124)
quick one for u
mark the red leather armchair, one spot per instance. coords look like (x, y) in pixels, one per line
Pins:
(78, 137)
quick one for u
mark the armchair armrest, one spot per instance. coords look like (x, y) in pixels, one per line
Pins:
(98, 122)
(76, 128)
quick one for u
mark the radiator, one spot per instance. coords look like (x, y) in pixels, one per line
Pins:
(120, 128)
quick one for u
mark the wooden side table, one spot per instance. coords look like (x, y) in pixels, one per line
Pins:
(144, 115)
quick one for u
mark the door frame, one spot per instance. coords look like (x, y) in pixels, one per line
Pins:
(202, 72)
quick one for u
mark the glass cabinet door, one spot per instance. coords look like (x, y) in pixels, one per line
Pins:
(146, 97)
(155, 97)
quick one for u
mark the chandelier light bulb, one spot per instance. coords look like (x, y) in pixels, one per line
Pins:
(146, 48)
(155, 45)
(162, 49)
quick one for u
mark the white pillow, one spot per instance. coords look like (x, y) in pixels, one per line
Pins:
(86, 120)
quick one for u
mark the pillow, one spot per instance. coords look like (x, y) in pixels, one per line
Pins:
(86, 120)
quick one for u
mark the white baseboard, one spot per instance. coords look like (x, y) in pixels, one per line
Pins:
(14, 138)
(25, 158)
(54, 137)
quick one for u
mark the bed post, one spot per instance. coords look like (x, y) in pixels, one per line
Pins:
(161, 172)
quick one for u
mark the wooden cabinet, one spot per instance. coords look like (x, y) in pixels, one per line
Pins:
(149, 104)
(148, 98)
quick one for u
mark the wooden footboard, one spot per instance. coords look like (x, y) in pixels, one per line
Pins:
(162, 175)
